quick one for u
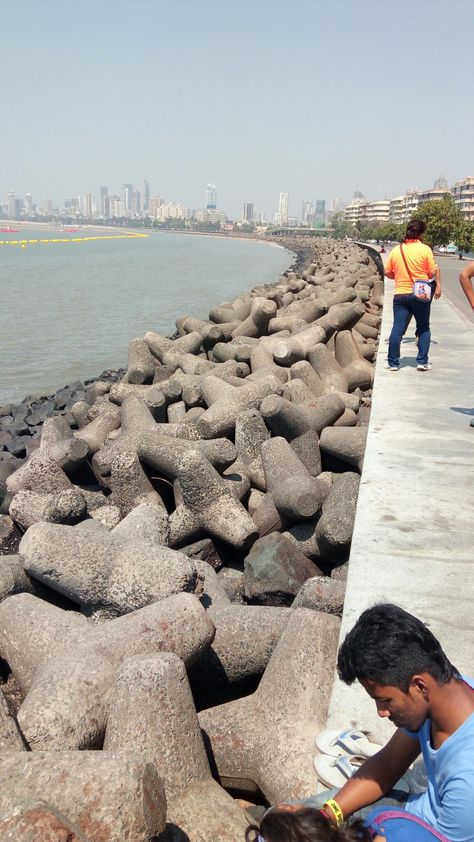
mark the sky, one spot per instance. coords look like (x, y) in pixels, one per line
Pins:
(313, 97)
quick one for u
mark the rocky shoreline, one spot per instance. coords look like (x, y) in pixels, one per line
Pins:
(175, 541)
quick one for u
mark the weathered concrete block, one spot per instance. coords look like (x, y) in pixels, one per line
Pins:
(250, 433)
(346, 444)
(359, 372)
(160, 346)
(108, 796)
(29, 507)
(256, 323)
(152, 709)
(35, 821)
(208, 505)
(40, 473)
(321, 593)
(130, 485)
(227, 402)
(336, 524)
(141, 363)
(297, 347)
(59, 443)
(95, 432)
(245, 639)
(280, 719)
(275, 570)
(67, 705)
(144, 523)
(99, 571)
(331, 374)
(296, 494)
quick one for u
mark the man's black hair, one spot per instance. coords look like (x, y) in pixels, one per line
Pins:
(389, 646)
(415, 229)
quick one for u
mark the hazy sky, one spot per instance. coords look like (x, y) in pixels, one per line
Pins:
(306, 96)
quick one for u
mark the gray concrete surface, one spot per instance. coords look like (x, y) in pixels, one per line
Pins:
(450, 268)
(413, 540)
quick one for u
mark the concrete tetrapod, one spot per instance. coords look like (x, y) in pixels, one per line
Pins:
(346, 444)
(208, 506)
(67, 705)
(130, 485)
(359, 372)
(12, 577)
(95, 432)
(151, 442)
(32, 631)
(40, 473)
(226, 402)
(108, 796)
(152, 709)
(10, 739)
(250, 433)
(29, 507)
(256, 323)
(141, 363)
(160, 346)
(296, 494)
(59, 442)
(321, 593)
(266, 741)
(332, 376)
(100, 572)
(336, 524)
(245, 639)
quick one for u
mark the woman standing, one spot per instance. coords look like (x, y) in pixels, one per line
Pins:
(411, 265)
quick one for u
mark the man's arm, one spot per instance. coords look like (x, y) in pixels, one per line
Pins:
(437, 276)
(379, 773)
(465, 279)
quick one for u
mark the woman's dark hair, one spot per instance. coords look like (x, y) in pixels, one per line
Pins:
(415, 229)
(389, 646)
(305, 825)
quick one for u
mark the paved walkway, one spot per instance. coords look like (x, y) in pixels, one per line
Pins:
(413, 540)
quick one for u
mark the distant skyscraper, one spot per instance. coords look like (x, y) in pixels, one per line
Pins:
(28, 204)
(87, 205)
(127, 191)
(146, 195)
(247, 214)
(211, 197)
(320, 212)
(307, 215)
(283, 208)
(104, 203)
(136, 208)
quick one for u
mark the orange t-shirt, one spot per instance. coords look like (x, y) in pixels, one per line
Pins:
(421, 264)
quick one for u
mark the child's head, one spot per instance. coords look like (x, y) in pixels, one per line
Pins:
(294, 824)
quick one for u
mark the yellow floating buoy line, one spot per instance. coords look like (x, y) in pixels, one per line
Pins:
(24, 243)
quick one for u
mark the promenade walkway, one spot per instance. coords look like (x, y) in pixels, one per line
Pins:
(413, 540)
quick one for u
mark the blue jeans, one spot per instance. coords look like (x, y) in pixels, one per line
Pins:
(404, 307)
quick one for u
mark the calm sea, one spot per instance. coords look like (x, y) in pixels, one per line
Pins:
(68, 310)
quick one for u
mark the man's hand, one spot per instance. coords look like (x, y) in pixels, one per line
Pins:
(379, 773)
(465, 279)
(437, 292)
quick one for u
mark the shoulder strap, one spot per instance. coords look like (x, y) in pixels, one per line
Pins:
(405, 262)
(402, 814)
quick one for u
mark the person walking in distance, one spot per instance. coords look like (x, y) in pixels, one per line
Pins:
(411, 265)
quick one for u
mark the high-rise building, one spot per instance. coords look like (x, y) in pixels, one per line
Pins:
(154, 204)
(104, 203)
(211, 197)
(247, 214)
(307, 213)
(28, 205)
(283, 208)
(127, 191)
(12, 205)
(136, 208)
(146, 195)
(320, 212)
(87, 205)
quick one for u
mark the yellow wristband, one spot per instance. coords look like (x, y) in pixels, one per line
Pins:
(335, 810)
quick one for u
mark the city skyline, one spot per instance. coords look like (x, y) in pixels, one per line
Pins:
(216, 93)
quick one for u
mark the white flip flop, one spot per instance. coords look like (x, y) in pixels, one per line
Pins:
(334, 772)
(350, 742)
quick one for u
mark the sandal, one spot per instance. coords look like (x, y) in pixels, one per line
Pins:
(334, 772)
(350, 742)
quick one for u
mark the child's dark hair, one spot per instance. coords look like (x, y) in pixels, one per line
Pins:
(305, 825)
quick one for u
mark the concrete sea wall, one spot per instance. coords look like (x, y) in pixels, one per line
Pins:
(174, 545)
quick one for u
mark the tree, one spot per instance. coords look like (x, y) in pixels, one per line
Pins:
(442, 217)
(464, 236)
(340, 227)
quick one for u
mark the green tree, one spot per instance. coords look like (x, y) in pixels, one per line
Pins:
(442, 219)
(464, 236)
(340, 227)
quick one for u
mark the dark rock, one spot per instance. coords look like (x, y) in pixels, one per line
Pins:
(204, 550)
(38, 414)
(17, 446)
(275, 569)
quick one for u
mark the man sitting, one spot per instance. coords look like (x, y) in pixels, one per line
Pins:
(403, 668)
